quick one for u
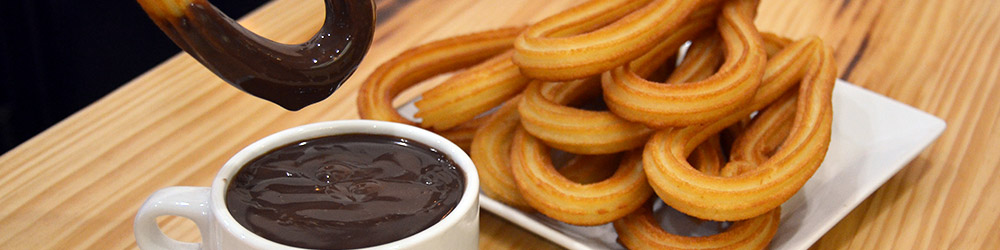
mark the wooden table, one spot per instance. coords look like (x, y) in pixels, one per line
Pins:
(78, 184)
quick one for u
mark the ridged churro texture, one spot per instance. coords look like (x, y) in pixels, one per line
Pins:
(421, 63)
(491, 154)
(688, 103)
(763, 187)
(574, 130)
(640, 230)
(580, 204)
(597, 36)
(728, 133)
(470, 93)
(453, 110)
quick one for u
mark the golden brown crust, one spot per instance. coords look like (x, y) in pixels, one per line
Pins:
(490, 152)
(640, 230)
(423, 62)
(764, 187)
(729, 73)
(576, 130)
(664, 105)
(582, 131)
(469, 93)
(597, 36)
(580, 204)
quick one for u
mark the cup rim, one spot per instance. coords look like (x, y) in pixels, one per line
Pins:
(328, 128)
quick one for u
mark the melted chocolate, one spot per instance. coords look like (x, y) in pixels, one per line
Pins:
(345, 191)
(292, 76)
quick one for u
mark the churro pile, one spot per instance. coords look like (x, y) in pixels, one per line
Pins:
(727, 134)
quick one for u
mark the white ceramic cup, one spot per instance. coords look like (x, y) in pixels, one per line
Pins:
(206, 206)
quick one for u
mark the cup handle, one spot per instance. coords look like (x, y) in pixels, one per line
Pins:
(187, 202)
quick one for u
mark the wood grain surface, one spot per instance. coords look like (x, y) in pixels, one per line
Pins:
(79, 184)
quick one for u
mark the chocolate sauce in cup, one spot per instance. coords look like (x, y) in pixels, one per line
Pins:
(330, 185)
(345, 191)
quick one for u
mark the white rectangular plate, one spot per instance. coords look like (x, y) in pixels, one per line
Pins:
(873, 138)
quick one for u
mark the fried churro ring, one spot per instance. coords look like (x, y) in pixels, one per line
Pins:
(470, 93)
(766, 186)
(490, 149)
(640, 230)
(574, 130)
(423, 62)
(727, 75)
(490, 152)
(700, 62)
(579, 204)
(761, 139)
(597, 36)
(664, 105)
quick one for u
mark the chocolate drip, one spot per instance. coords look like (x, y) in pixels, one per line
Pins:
(290, 75)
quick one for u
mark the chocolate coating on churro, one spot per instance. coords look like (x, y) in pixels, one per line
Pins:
(290, 75)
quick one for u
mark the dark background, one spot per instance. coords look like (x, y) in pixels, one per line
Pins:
(58, 56)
